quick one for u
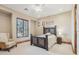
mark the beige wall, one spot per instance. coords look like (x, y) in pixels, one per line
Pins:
(33, 27)
(5, 23)
(62, 21)
(16, 14)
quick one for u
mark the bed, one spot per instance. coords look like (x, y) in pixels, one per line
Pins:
(47, 40)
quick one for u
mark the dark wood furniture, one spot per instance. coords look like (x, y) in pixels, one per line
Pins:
(3, 47)
(43, 41)
(59, 40)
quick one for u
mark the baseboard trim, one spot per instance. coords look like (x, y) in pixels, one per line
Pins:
(23, 41)
(66, 42)
(71, 46)
(73, 50)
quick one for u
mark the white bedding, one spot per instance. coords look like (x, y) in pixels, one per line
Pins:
(41, 35)
(44, 35)
(51, 39)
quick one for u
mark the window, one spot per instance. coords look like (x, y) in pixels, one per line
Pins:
(22, 27)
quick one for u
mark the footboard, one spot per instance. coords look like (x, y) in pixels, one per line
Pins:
(40, 41)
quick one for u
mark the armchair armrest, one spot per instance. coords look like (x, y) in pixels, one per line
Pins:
(10, 40)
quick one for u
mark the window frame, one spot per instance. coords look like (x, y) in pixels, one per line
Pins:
(24, 20)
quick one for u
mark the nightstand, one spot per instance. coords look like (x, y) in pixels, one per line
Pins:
(59, 40)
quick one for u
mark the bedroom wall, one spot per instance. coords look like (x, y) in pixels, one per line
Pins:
(5, 23)
(63, 22)
(33, 27)
(16, 14)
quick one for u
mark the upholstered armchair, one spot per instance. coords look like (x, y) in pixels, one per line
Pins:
(5, 42)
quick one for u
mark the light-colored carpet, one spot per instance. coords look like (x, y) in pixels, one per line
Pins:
(63, 49)
(27, 49)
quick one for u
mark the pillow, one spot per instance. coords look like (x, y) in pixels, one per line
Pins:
(52, 36)
(48, 33)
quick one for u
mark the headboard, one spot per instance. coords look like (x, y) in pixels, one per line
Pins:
(52, 30)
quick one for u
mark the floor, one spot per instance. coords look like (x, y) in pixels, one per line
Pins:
(27, 49)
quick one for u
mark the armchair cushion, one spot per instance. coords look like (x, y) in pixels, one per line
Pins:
(10, 44)
(4, 37)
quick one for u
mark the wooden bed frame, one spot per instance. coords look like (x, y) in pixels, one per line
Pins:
(43, 41)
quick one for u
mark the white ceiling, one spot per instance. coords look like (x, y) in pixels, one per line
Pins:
(47, 9)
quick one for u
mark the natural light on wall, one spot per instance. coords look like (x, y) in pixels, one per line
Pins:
(60, 32)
